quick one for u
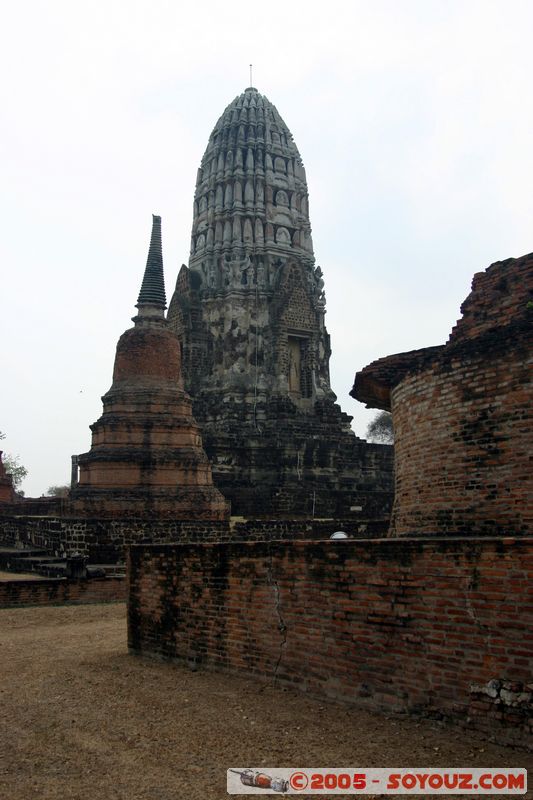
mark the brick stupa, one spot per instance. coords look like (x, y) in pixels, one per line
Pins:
(146, 456)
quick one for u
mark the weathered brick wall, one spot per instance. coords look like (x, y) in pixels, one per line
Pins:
(463, 416)
(59, 591)
(499, 296)
(439, 627)
(464, 438)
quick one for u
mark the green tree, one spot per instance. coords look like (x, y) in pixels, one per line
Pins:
(13, 467)
(380, 429)
(58, 491)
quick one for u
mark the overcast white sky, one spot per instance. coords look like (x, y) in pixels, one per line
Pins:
(414, 121)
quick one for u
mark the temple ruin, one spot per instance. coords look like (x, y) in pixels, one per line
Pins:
(433, 619)
(462, 415)
(249, 311)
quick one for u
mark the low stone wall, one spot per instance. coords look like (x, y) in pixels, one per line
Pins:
(59, 591)
(104, 541)
(437, 627)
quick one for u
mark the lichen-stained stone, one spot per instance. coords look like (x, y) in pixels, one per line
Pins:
(249, 311)
(146, 456)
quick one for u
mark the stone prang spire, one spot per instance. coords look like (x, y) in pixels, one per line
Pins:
(252, 264)
(146, 456)
(249, 311)
(251, 195)
(153, 286)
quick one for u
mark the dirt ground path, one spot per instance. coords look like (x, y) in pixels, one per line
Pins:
(83, 719)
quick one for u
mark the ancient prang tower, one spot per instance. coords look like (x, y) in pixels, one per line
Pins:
(249, 313)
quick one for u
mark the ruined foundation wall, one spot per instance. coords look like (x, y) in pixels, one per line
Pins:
(438, 627)
(59, 591)
(104, 541)
(462, 415)
(464, 439)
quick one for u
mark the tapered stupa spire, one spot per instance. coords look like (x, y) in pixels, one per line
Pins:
(146, 456)
(153, 286)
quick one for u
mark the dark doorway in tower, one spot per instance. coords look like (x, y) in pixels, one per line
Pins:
(300, 384)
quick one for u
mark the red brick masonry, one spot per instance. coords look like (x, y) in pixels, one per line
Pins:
(432, 626)
(463, 415)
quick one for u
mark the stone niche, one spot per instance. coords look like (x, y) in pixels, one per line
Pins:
(462, 415)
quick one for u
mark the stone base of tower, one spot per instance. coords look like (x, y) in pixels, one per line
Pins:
(284, 462)
(147, 459)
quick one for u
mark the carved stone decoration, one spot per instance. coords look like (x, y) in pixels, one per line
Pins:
(228, 196)
(211, 275)
(261, 277)
(255, 347)
(319, 280)
(249, 193)
(237, 230)
(283, 236)
(247, 235)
